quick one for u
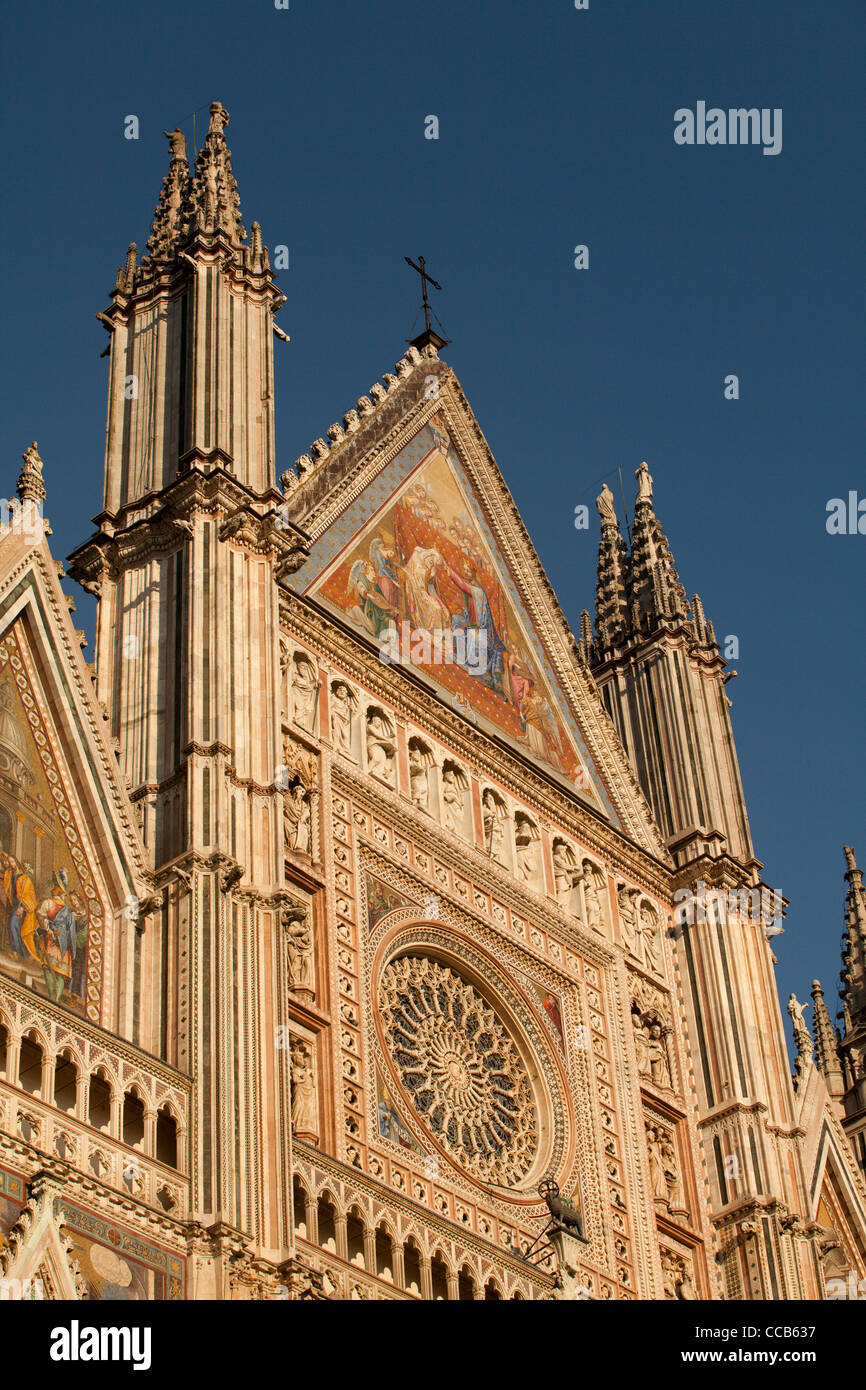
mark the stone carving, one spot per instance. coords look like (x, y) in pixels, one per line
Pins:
(605, 508)
(305, 692)
(343, 703)
(649, 936)
(664, 1169)
(299, 937)
(454, 786)
(297, 821)
(420, 759)
(381, 747)
(298, 776)
(628, 919)
(677, 1276)
(304, 1106)
(177, 143)
(593, 890)
(802, 1038)
(526, 838)
(566, 874)
(493, 814)
(651, 1037)
(460, 1068)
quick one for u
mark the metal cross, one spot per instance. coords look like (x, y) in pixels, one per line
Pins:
(421, 268)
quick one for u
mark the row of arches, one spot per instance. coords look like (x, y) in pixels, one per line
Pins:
(377, 1250)
(92, 1098)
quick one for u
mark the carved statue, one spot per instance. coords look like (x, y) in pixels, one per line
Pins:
(676, 1203)
(381, 748)
(657, 1165)
(644, 484)
(604, 505)
(453, 806)
(177, 143)
(641, 1043)
(592, 896)
(305, 693)
(299, 936)
(649, 937)
(566, 874)
(563, 1215)
(419, 782)
(658, 1056)
(297, 820)
(342, 716)
(627, 918)
(304, 1116)
(492, 815)
(525, 837)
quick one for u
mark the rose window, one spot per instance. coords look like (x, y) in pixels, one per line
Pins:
(460, 1067)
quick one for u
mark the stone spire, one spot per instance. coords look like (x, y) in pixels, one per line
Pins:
(853, 976)
(171, 219)
(655, 590)
(31, 488)
(826, 1044)
(610, 589)
(214, 198)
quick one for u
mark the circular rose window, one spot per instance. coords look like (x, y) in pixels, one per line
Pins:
(460, 1067)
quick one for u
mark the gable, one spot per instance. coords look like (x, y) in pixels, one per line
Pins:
(69, 855)
(413, 566)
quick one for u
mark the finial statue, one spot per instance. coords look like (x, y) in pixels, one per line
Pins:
(219, 118)
(850, 859)
(30, 484)
(644, 484)
(604, 503)
(177, 142)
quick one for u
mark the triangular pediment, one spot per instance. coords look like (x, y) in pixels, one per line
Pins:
(70, 858)
(420, 548)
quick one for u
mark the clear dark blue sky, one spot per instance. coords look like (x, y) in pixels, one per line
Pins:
(556, 129)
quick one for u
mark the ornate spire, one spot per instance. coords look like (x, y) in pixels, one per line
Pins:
(853, 976)
(31, 488)
(655, 590)
(215, 200)
(171, 219)
(826, 1044)
(610, 589)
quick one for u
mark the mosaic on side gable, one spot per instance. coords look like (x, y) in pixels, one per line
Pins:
(50, 916)
(422, 564)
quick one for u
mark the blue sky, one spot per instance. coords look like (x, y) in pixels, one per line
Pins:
(555, 129)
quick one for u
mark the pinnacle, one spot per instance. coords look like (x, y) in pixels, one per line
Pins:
(215, 201)
(30, 484)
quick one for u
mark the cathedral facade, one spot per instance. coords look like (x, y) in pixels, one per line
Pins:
(364, 933)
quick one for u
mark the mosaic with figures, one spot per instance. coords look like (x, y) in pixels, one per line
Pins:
(50, 915)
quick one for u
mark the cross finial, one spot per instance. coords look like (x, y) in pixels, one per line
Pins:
(429, 335)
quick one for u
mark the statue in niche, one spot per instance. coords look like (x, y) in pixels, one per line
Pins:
(381, 748)
(304, 1116)
(525, 839)
(592, 896)
(419, 780)
(641, 1043)
(658, 1174)
(648, 926)
(342, 717)
(672, 1174)
(453, 803)
(492, 816)
(566, 874)
(305, 693)
(299, 946)
(628, 919)
(658, 1056)
(297, 818)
